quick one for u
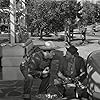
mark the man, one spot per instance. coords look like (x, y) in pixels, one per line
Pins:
(37, 66)
(71, 66)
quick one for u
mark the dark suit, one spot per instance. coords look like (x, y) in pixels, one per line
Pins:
(79, 67)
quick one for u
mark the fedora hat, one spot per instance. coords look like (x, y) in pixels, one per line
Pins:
(72, 49)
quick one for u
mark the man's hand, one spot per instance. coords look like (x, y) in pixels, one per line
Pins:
(46, 70)
(77, 78)
(57, 81)
(60, 74)
(67, 80)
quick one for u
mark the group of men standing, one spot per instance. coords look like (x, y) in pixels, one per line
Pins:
(38, 65)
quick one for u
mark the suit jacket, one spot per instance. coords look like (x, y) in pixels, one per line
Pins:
(79, 67)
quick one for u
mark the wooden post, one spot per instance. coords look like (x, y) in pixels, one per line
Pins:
(23, 4)
(23, 10)
(12, 20)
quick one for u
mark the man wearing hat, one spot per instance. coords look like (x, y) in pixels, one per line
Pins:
(37, 66)
(71, 66)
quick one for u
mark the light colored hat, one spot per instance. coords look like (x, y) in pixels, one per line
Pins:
(49, 45)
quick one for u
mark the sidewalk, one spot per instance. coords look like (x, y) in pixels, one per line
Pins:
(13, 90)
(11, 98)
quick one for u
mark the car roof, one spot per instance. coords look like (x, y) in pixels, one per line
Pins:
(94, 59)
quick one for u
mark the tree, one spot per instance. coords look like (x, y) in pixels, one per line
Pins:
(70, 10)
(51, 16)
(97, 12)
(90, 12)
(4, 3)
(37, 12)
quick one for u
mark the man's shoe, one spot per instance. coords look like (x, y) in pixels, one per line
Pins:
(64, 98)
(27, 98)
(39, 95)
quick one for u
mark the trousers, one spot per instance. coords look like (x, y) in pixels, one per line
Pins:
(28, 82)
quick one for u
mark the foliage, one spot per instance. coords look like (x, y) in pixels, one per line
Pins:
(4, 3)
(50, 16)
(23, 35)
(97, 12)
(91, 12)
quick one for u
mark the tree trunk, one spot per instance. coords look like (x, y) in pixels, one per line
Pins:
(67, 35)
(41, 35)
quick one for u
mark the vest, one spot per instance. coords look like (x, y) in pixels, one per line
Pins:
(38, 61)
(68, 68)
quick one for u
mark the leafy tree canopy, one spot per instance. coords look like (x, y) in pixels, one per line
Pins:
(51, 14)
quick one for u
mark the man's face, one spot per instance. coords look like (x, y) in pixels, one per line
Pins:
(68, 55)
(48, 54)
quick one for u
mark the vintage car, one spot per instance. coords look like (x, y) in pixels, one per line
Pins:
(93, 78)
